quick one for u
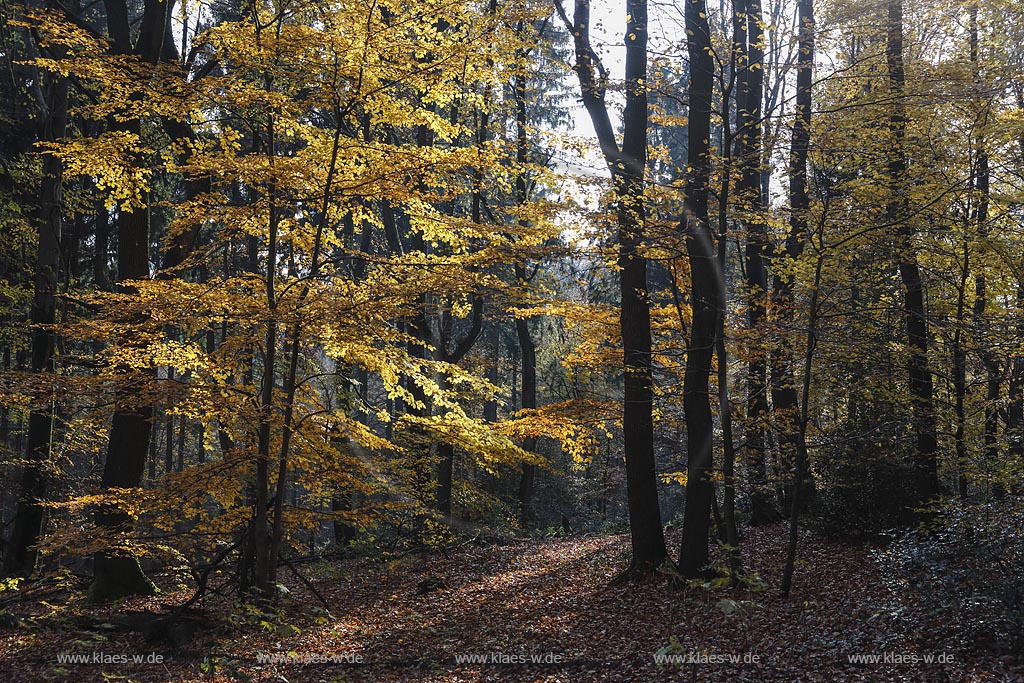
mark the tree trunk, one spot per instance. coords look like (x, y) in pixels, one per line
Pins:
(344, 533)
(169, 438)
(261, 525)
(101, 248)
(117, 573)
(1015, 411)
(799, 201)
(29, 515)
(960, 377)
(647, 537)
(527, 347)
(801, 444)
(785, 401)
(627, 165)
(706, 292)
(491, 407)
(926, 478)
(529, 400)
(981, 190)
(750, 92)
(732, 538)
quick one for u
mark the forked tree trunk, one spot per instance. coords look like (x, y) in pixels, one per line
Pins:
(626, 165)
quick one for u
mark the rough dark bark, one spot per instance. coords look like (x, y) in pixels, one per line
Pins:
(706, 297)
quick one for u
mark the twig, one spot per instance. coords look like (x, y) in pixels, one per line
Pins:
(307, 583)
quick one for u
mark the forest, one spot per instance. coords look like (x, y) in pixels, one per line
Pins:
(527, 340)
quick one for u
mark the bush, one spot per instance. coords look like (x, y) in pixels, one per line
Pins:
(864, 477)
(963, 579)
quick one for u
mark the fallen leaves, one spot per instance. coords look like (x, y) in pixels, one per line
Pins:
(531, 610)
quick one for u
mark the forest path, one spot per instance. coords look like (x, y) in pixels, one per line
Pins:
(534, 610)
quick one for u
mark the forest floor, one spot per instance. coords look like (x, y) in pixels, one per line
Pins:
(524, 610)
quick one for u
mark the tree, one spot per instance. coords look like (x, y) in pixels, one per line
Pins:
(29, 516)
(706, 297)
(627, 163)
(749, 41)
(927, 477)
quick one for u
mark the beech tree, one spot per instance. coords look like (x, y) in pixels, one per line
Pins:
(27, 525)
(262, 245)
(627, 163)
(705, 297)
